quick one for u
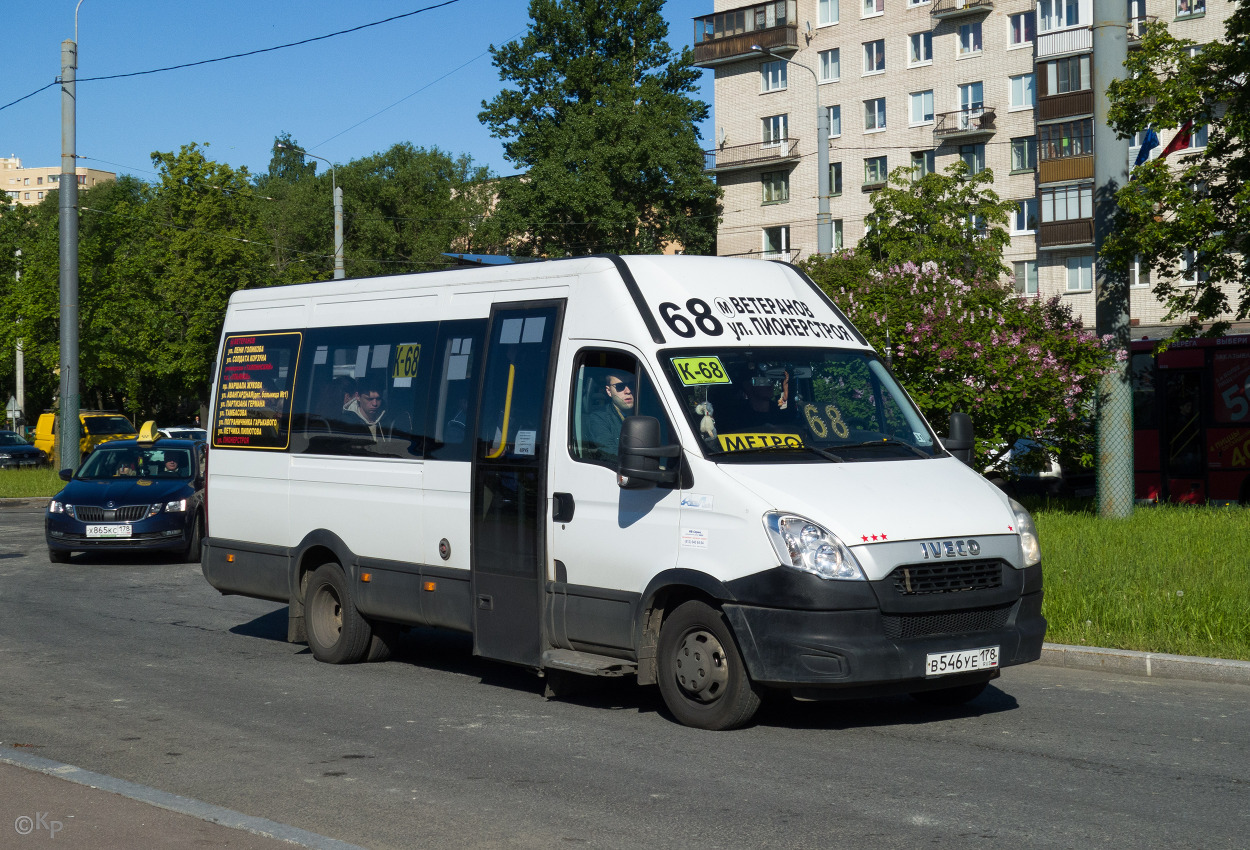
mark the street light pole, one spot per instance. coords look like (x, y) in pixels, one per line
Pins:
(68, 429)
(824, 229)
(339, 274)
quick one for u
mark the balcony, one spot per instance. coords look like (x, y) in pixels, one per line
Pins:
(1065, 105)
(1065, 234)
(1063, 42)
(1137, 29)
(742, 157)
(728, 36)
(964, 124)
(943, 9)
(1065, 168)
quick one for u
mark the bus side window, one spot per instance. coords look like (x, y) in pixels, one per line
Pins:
(455, 359)
(604, 381)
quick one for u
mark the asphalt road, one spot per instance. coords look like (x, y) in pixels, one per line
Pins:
(136, 668)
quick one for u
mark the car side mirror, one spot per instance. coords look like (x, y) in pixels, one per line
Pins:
(961, 438)
(67, 474)
(639, 453)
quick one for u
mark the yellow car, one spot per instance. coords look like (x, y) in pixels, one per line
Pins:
(98, 426)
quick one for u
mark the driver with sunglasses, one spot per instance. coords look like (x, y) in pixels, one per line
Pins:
(603, 426)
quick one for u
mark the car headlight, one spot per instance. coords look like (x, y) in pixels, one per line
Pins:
(1029, 547)
(804, 545)
(176, 507)
(55, 507)
(5, 455)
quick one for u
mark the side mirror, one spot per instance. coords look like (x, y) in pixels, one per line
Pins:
(639, 453)
(67, 474)
(961, 438)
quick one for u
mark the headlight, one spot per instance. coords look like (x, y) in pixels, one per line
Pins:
(804, 545)
(5, 455)
(176, 507)
(55, 507)
(1029, 546)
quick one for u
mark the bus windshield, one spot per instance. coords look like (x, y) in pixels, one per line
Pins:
(796, 403)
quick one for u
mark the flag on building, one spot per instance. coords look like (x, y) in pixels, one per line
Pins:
(1148, 143)
(1180, 141)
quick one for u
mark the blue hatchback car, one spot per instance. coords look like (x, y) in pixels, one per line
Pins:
(139, 494)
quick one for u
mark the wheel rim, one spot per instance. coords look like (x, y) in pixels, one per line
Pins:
(700, 666)
(327, 616)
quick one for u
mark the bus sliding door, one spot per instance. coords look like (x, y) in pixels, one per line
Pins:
(508, 558)
(1182, 443)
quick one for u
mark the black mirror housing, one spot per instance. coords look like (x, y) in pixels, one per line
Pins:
(961, 437)
(639, 453)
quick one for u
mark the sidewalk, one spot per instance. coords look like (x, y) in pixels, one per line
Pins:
(45, 800)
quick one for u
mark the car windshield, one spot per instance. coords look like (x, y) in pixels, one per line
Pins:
(803, 404)
(136, 462)
(11, 439)
(103, 425)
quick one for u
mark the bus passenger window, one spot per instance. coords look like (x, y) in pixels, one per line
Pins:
(453, 398)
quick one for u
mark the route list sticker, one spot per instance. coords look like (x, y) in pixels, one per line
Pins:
(254, 399)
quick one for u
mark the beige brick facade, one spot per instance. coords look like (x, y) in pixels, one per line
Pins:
(29, 186)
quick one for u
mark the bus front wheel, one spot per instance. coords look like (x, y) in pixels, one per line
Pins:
(337, 634)
(701, 674)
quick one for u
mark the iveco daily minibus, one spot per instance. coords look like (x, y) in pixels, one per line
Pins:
(690, 470)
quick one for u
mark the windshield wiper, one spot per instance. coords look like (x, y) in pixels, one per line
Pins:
(827, 455)
(887, 441)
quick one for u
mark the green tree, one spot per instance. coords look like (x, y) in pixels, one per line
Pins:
(599, 116)
(954, 219)
(1021, 367)
(288, 161)
(1189, 216)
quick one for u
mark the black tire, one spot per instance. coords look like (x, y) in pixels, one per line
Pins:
(191, 555)
(701, 674)
(382, 645)
(58, 556)
(337, 634)
(950, 697)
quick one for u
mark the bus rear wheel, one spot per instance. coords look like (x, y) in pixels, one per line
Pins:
(701, 674)
(337, 634)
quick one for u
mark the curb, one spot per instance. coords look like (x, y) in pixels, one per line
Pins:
(34, 502)
(1154, 665)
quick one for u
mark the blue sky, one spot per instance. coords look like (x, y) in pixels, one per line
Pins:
(420, 79)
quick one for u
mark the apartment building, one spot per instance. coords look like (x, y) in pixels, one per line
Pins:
(29, 186)
(1003, 84)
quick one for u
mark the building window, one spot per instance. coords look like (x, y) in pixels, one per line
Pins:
(1192, 272)
(873, 7)
(970, 38)
(1067, 138)
(1023, 95)
(1056, 14)
(1067, 75)
(1021, 29)
(1139, 273)
(1024, 154)
(1187, 8)
(827, 12)
(1067, 203)
(874, 114)
(773, 75)
(40, 195)
(776, 242)
(25, 181)
(38, 181)
(921, 107)
(835, 179)
(1197, 138)
(874, 56)
(875, 170)
(911, 3)
(1026, 277)
(1081, 273)
(1024, 219)
(922, 163)
(830, 65)
(26, 196)
(775, 131)
(920, 48)
(974, 157)
(836, 226)
(835, 120)
(776, 186)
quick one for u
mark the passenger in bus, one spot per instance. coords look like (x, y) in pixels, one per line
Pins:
(603, 426)
(368, 406)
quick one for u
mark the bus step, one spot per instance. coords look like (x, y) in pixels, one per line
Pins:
(587, 663)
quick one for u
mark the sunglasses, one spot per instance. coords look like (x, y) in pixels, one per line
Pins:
(621, 386)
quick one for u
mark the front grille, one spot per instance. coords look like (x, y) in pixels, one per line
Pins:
(94, 513)
(947, 577)
(947, 622)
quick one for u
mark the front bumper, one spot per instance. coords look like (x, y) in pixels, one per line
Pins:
(169, 532)
(845, 653)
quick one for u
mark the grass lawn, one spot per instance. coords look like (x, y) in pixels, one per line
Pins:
(1169, 579)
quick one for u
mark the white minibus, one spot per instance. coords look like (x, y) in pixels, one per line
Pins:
(691, 470)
